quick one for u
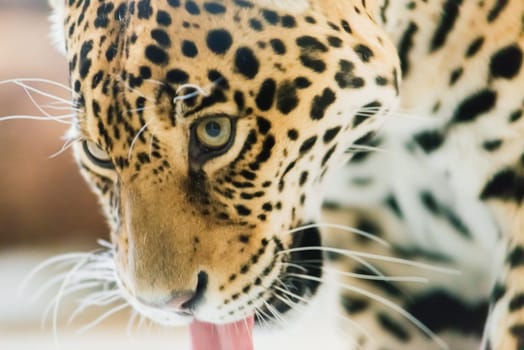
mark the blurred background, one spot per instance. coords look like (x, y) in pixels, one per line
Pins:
(45, 206)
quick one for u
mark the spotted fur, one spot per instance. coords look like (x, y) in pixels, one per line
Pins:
(307, 85)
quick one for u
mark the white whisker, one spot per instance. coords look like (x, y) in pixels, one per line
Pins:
(59, 119)
(353, 253)
(386, 303)
(102, 317)
(342, 228)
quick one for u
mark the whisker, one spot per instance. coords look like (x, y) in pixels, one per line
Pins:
(142, 129)
(68, 291)
(68, 144)
(102, 298)
(104, 316)
(59, 119)
(353, 253)
(67, 259)
(440, 342)
(38, 80)
(35, 90)
(342, 228)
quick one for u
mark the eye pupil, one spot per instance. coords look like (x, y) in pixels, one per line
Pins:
(213, 128)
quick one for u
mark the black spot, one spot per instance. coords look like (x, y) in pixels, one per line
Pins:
(333, 41)
(321, 103)
(330, 134)
(404, 47)
(192, 7)
(219, 41)
(288, 21)
(353, 305)
(439, 209)
(364, 52)
(218, 78)
(311, 44)
(287, 99)
(263, 125)
(144, 9)
(514, 116)
(270, 16)
(243, 3)
(303, 178)
(242, 210)
(449, 15)
(278, 46)
(312, 63)
(102, 15)
(214, 8)
(85, 61)
(496, 10)
(189, 49)
(266, 95)
(174, 3)
(346, 27)
(177, 76)
(475, 105)
(516, 257)
(393, 327)
(429, 141)
(327, 155)
(466, 316)
(518, 332)
(239, 100)
(120, 12)
(161, 37)
(163, 18)
(455, 75)
(516, 303)
(497, 293)
(111, 52)
(156, 55)
(492, 145)
(392, 203)
(506, 62)
(475, 46)
(505, 185)
(345, 77)
(256, 25)
(307, 145)
(97, 78)
(292, 134)
(246, 62)
(145, 72)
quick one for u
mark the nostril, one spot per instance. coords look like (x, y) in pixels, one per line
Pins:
(198, 295)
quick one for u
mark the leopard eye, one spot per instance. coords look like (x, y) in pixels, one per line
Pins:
(214, 133)
(97, 155)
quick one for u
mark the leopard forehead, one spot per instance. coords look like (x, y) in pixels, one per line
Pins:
(299, 84)
(250, 60)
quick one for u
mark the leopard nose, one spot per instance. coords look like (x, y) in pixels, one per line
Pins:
(189, 301)
(183, 301)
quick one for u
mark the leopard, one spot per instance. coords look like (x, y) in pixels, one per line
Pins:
(244, 151)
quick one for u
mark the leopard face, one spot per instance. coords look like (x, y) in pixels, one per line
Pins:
(206, 129)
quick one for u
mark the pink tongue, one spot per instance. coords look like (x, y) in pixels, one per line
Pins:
(232, 336)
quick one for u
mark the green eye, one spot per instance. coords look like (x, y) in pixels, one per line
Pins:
(97, 155)
(214, 132)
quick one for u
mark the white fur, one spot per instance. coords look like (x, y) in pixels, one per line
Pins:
(57, 25)
(295, 6)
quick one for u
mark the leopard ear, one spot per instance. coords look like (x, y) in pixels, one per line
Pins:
(57, 19)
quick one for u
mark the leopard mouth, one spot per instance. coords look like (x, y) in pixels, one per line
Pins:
(289, 289)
